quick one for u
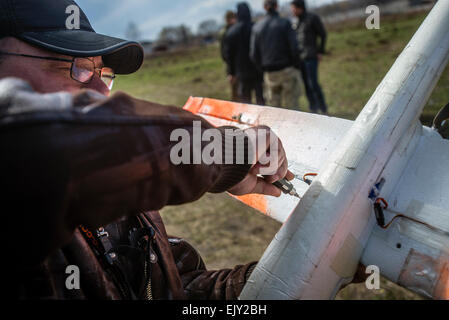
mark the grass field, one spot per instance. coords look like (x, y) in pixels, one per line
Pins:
(226, 232)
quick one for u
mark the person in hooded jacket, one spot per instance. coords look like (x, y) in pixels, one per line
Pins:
(236, 51)
(231, 19)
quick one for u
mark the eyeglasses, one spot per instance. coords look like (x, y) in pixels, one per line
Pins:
(82, 69)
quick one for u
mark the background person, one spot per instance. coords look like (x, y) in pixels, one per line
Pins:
(236, 44)
(312, 43)
(230, 19)
(274, 50)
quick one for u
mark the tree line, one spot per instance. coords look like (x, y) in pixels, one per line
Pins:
(207, 30)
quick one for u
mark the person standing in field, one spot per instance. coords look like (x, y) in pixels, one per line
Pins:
(231, 19)
(312, 43)
(274, 50)
(236, 50)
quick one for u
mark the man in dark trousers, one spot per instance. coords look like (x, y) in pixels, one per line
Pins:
(310, 29)
(236, 51)
(231, 19)
(274, 50)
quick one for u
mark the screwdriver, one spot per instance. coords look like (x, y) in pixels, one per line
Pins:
(286, 187)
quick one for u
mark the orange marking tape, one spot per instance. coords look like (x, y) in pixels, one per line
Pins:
(217, 108)
(256, 201)
(193, 104)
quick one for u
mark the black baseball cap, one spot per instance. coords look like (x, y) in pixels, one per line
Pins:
(43, 23)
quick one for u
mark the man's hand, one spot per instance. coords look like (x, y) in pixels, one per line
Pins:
(276, 169)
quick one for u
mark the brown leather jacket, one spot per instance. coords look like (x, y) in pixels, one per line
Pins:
(87, 160)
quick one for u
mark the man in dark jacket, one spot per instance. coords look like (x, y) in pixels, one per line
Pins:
(310, 29)
(84, 174)
(230, 20)
(236, 44)
(274, 50)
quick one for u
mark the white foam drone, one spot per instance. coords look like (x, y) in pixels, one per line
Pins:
(384, 154)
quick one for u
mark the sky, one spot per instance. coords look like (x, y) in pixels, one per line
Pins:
(112, 17)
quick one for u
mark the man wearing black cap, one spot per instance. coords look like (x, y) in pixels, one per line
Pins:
(274, 50)
(310, 29)
(74, 160)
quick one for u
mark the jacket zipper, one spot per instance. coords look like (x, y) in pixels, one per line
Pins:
(148, 288)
